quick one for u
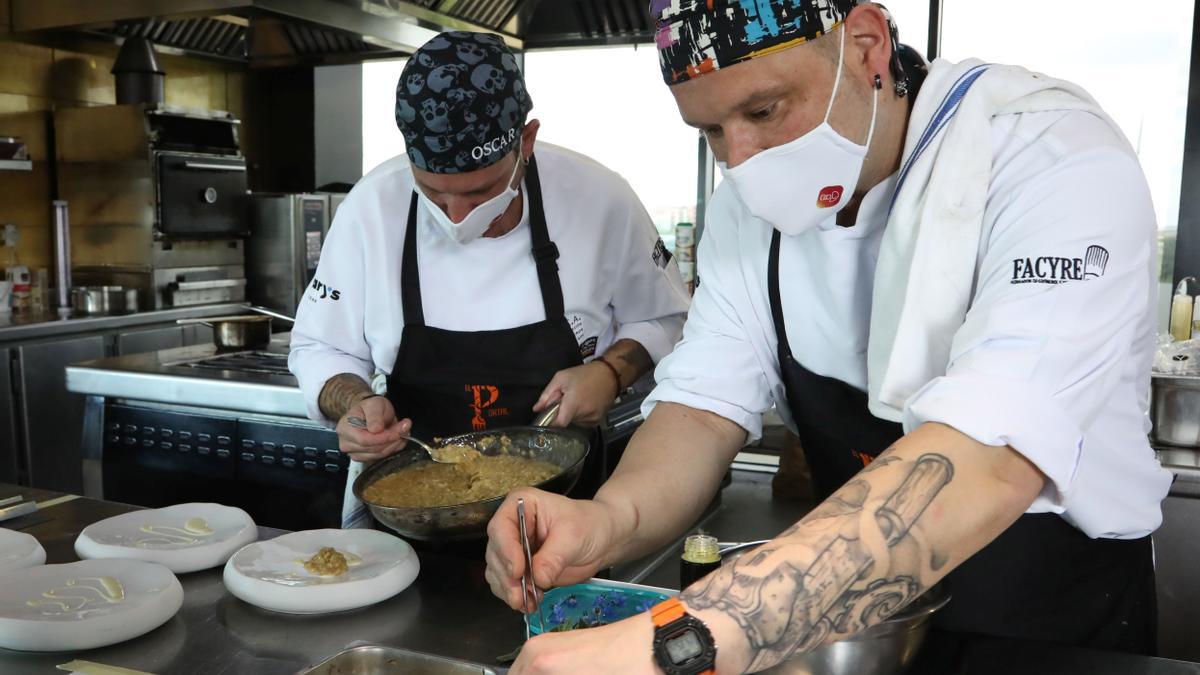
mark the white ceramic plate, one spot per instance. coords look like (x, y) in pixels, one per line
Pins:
(184, 537)
(19, 550)
(84, 605)
(271, 574)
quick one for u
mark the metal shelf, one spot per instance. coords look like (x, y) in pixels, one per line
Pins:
(16, 165)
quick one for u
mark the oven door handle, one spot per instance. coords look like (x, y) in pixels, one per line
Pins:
(205, 285)
(204, 166)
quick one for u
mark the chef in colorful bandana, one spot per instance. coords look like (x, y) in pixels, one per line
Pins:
(483, 276)
(943, 277)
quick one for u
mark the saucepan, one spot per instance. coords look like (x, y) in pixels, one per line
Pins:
(565, 448)
(240, 333)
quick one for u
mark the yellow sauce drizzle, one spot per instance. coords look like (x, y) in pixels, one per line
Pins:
(84, 591)
(166, 535)
(198, 526)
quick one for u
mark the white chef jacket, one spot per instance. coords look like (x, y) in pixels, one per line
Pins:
(1058, 371)
(618, 280)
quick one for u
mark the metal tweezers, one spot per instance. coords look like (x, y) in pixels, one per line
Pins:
(526, 586)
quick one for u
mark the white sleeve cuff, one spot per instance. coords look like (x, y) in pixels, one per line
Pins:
(668, 392)
(999, 412)
(657, 336)
(314, 368)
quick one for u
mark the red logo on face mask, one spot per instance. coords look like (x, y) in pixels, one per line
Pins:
(830, 196)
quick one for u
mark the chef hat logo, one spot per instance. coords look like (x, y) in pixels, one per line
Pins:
(1095, 262)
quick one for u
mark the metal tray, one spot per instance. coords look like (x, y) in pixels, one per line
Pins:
(1175, 410)
(376, 660)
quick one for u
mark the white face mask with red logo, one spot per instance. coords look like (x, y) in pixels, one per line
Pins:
(799, 185)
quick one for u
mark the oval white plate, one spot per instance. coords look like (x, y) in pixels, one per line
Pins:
(162, 536)
(271, 574)
(19, 550)
(90, 614)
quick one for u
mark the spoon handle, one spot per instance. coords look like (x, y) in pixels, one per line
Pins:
(547, 416)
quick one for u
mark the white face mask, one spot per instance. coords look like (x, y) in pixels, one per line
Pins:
(480, 218)
(802, 184)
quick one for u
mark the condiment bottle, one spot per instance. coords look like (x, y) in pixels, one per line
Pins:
(1181, 312)
(701, 555)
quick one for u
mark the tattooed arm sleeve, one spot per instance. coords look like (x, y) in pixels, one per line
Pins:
(341, 393)
(899, 526)
(630, 359)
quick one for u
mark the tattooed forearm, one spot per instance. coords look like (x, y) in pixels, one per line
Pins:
(630, 358)
(340, 393)
(832, 574)
(879, 463)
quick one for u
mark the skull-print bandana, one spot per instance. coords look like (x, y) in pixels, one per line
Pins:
(461, 102)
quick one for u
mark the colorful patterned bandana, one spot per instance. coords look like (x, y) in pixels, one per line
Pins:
(461, 103)
(695, 37)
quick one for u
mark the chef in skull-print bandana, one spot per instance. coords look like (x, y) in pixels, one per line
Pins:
(461, 102)
(535, 267)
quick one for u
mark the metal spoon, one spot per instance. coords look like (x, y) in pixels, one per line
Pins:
(453, 454)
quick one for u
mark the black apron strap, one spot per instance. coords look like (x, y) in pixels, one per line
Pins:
(785, 349)
(545, 252)
(410, 274)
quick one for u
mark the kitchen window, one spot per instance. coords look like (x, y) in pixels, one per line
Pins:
(611, 104)
(382, 140)
(608, 103)
(912, 18)
(1135, 64)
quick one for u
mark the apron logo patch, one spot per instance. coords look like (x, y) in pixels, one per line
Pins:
(588, 347)
(325, 291)
(661, 256)
(1058, 270)
(483, 396)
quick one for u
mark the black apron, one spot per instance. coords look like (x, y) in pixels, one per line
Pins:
(1042, 579)
(453, 382)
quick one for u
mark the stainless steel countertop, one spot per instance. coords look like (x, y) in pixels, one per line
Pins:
(22, 327)
(163, 377)
(447, 611)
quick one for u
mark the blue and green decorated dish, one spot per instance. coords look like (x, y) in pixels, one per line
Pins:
(595, 603)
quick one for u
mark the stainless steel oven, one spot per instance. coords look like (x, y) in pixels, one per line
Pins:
(287, 232)
(198, 195)
(284, 472)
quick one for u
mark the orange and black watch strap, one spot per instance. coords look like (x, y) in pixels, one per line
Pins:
(666, 612)
(671, 614)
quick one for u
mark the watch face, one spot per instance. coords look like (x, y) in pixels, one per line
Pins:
(685, 647)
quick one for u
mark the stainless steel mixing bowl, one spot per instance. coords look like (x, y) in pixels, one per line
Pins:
(565, 448)
(887, 648)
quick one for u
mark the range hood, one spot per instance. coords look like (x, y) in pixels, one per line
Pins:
(272, 32)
